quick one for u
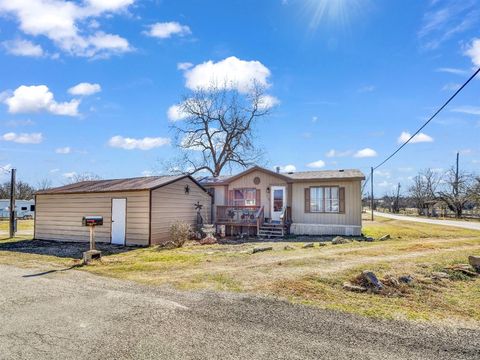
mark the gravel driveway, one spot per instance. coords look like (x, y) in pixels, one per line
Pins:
(75, 315)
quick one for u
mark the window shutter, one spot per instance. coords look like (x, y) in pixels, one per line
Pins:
(341, 198)
(230, 197)
(257, 198)
(307, 200)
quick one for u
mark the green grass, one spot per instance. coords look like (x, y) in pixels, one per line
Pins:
(314, 276)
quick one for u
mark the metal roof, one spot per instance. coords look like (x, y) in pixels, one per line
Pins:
(95, 186)
(343, 174)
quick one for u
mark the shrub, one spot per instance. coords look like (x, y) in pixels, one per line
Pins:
(180, 232)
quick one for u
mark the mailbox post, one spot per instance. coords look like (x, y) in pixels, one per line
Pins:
(92, 222)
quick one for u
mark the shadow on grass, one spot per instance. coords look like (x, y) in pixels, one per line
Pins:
(59, 248)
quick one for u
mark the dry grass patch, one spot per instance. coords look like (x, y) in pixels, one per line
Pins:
(314, 276)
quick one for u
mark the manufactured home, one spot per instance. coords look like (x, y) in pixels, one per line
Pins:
(24, 209)
(262, 202)
(136, 211)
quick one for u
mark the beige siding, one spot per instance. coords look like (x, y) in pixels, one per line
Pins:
(59, 216)
(170, 203)
(266, 181)
(353, 205)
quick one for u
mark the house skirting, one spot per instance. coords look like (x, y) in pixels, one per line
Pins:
(324, 229)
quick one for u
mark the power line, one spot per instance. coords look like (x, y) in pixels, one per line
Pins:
(431, 118)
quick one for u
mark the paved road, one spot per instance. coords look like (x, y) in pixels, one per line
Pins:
(460, 224)
(75, 315)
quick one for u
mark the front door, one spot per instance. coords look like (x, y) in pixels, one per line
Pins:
(119, 221)
(277, 202)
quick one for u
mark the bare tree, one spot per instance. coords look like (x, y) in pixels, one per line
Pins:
(392, 200)
(86, 176)
(217, 129)
(44, 184)
(424, 189)
(23, 190)
(457, 190)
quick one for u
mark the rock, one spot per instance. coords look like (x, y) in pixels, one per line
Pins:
(261, 248)
(288, 247)
(208, 240)
(384, 237)
(340, 240)
(475, 262)
(372, 280)
(391, 280)
(354, 288)
(406, 279)
(90, 255)
(322, 244)
(369, 239)
(438, 275)
(307, 245)
(463, 268)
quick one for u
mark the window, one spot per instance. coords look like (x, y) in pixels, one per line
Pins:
(324, 199)
(244, 197)
(32, 207)
(24, 208)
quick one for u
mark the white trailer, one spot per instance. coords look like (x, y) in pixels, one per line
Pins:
(25, 209)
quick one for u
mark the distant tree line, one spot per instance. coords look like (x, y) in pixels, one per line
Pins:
(432, 191)
(25, 191)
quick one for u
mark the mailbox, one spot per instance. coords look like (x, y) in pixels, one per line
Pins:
(92, 220)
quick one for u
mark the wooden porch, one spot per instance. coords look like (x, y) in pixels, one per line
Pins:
(251, 219)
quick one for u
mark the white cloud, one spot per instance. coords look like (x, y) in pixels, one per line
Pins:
(69, 175)
(471, 110)
(37, 98)
(168, 29)
(85, 89)
(5, 168)
(53, 171)
(63, 150)
(184, 65)
(147, 173)
(451, 87)
(316, 164)
(383, 173)
(286, 168)
(446, 19)
(22, 47)
(175, 113)
(473, 51)
(232, 73)
(452, 71)
(419, 138)
(65, 23)
(335, 153)
(366, 89)
(23, 138)
(146, 143)
(267, 101)
(365, 153)
(314, 119)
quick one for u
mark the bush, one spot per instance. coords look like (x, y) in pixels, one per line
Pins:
(180, 232)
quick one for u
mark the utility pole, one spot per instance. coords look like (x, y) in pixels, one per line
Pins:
(12, 203)
(371, 191)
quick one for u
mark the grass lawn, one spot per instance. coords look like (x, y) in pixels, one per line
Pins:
(314, 276)
(23, 225)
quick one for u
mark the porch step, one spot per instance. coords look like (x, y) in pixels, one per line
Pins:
(269, 231)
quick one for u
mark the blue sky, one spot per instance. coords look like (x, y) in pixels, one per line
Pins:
(349, 78)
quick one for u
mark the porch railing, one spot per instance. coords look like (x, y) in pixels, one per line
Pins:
(233, 214)
(260, 217)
